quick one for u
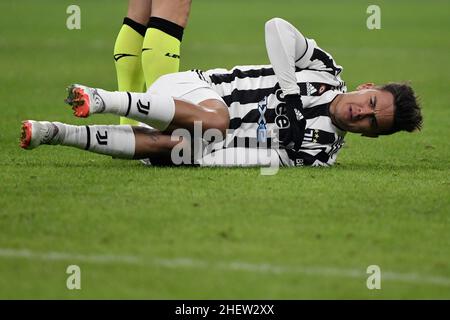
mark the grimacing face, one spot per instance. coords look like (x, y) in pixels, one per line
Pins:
(367, 110)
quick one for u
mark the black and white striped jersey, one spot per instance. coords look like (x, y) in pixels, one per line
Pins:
(254, 95)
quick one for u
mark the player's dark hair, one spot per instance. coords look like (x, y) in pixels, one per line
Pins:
(407, 112)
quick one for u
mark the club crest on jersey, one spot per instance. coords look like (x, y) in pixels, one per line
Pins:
(311, 135)
(319, 136)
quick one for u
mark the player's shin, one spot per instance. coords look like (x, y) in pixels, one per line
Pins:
(155, 110)
(113, 140)
(127, 57)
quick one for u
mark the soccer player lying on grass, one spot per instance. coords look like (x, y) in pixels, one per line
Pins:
(298, 104)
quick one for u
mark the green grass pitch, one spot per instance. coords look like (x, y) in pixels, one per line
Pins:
(168, 233)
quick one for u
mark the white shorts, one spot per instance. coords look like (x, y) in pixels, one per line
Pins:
(186, 86)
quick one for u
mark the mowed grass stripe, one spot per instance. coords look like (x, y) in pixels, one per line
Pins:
(186, 262)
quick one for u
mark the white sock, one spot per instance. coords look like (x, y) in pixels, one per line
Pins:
(114, 140)
(116, 102)
(155, 110)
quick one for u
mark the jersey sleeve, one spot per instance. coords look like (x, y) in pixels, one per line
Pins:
(289, 50)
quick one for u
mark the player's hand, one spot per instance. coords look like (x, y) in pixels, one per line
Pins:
(292, 137)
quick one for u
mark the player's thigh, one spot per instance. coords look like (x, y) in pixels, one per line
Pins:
(186, 86)
(208, 107)
(176, 11)
(210, 115)
(210, 101)
(139, 10)
(197, 101)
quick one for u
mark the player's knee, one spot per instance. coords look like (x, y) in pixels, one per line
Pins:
(273, 24)
(218, 121)
(139, 11)
(182, 12)
(176, 11)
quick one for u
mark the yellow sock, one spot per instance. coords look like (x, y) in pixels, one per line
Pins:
(161, 49)
(127, 57)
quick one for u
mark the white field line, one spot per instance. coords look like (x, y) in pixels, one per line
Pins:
(176, 263)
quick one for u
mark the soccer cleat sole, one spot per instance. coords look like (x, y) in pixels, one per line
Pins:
(79, 100)
(25, 135)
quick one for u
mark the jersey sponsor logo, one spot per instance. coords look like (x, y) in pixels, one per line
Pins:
(143, 108)
(122, 55)
(261, 131)
(102, 139)
(281, 120)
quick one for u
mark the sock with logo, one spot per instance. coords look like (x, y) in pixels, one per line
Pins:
(113, 140)
(154, 110)
(161, 49)
(127, 57)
